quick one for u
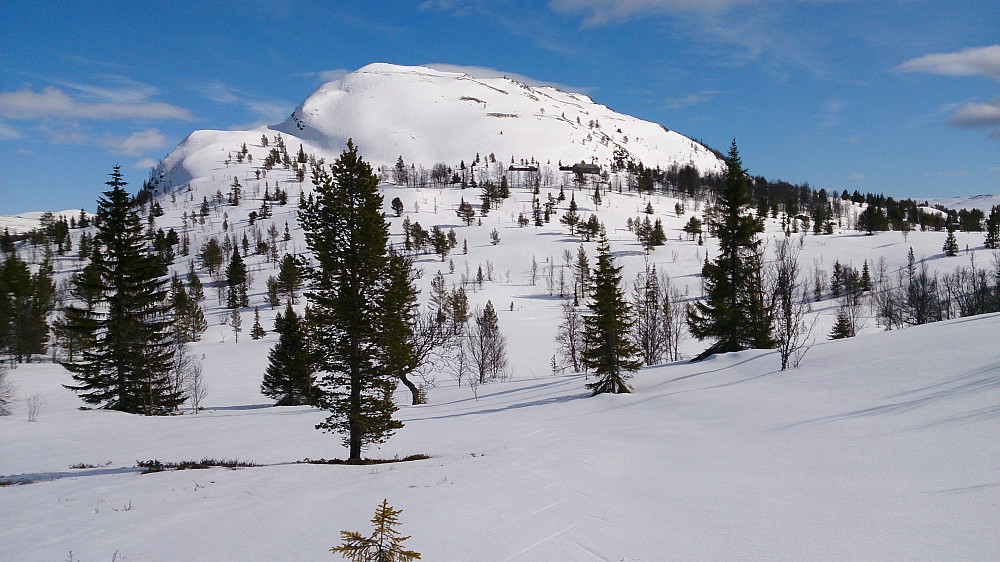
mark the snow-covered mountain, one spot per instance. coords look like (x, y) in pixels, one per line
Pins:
(24, 222)
(982, 202)
(427, 116)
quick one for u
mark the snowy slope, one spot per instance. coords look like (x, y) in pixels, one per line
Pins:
(428, 116)
(882, 447)
(983, 202)
(28, 221)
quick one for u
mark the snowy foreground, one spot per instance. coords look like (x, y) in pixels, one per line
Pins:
(880, 447)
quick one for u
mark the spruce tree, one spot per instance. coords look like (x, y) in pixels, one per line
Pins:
(609, 350)
(950, 247)
(993, 228)
(289, 374)
(257, 331)
(733, 311)
(127, 367)
(842, 328)
(289, 280)
(348, 235)
(571, 218)
(25, 302)
(236, 279)
(384, 545)
(402, 356)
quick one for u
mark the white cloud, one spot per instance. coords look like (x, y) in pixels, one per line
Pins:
(692, 98)
(272, 111)
(856, 177)
(973, 115)
(331, 75)
(138, 143)
(52, 102)
(220, 92)
(266, 112)
(123, 91)
(604, 11)
(8, 133)
(947, 174)
(979, 61)
(145, 164)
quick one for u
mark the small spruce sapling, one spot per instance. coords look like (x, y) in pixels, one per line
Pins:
(385, 543)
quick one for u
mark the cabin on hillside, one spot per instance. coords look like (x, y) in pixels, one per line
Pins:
(582, 168)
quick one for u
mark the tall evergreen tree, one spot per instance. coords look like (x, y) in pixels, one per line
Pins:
(289, 374)
(734, 311)
(127, 367)
(950, 247)
(289, 279)
(609, 350)
(348, 235)
(25, 302)
(236, 279)
(993, 228)
(257, 331)
(402, 354)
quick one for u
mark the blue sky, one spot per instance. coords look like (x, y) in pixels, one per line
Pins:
(900, 97)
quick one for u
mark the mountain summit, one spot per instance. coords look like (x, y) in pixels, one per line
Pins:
(425, 116)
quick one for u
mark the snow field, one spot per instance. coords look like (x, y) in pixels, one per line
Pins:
(878, 447)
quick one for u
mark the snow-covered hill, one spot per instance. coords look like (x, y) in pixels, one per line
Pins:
(982, 202)
(24, 222)
(428, 116)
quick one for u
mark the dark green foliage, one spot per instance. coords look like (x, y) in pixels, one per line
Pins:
(272, 292)
(693, 228)
(289, 374)
(211, 255)
(440, 242)
(402, 354)
(609, 350)
(25, 302)
(571, 218)
(873, 219)
(397, 206)
(257, 331)
(950, 247)
(384, 545)
(843, 328)
(348, 235)
(993, 228)
(189, 318)
(466, 212)
(127, 367)
(236, 279)
(734, 311)
(289, 280)
(650, 234)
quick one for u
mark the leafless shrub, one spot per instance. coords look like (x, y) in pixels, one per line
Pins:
(35, 403)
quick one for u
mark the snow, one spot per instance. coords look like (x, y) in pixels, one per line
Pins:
(982, 202)
(428, 116)
(28, 221)
(879, 447)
